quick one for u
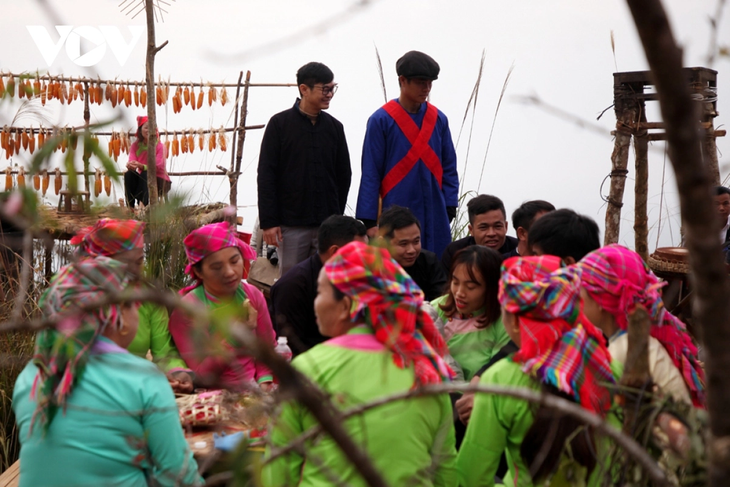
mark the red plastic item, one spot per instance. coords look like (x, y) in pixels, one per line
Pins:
(246, 237)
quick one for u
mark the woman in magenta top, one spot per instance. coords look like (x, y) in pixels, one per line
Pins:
(215, 262)
(135, 179)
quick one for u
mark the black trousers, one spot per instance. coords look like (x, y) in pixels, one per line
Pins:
(136, 191)
(135, 188)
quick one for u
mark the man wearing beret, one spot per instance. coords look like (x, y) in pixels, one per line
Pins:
(408, 157)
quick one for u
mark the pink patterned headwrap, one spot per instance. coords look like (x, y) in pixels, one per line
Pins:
(208, 239)
(559, 346)
(109, 237)
(387, 299)
(619, 280)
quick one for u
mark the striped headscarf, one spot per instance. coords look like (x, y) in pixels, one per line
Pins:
(61, 353)
(618, 280)
(388, 300)
(559, 346)
(208, 239)
(109, 237)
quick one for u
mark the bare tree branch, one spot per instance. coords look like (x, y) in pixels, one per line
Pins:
(711, 285)
(548, 400)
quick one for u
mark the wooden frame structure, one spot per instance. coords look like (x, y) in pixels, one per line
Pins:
(630, 95)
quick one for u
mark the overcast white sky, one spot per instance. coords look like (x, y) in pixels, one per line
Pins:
(561, 52)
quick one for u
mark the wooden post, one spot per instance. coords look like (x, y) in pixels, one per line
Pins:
(235, 173)
(152, 50)
(626, 116)
(233, 180)
(87, 117)
(48, 258)
(641, 188)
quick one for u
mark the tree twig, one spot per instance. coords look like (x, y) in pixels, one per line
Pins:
(548, 400)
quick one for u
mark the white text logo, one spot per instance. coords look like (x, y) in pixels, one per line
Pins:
(99, 37)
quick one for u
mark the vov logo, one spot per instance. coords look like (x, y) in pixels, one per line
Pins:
(99, 37)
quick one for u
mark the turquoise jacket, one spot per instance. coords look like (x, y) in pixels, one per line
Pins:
(121, 428)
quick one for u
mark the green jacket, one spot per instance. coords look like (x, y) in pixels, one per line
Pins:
(403, 439)
(499, 424)
(153, 335)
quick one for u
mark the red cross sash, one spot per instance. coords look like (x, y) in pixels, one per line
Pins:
(420, 150)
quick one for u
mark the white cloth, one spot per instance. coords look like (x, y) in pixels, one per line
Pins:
(723, 233)
(663, 371)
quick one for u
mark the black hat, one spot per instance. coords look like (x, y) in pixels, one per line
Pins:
(415, 64)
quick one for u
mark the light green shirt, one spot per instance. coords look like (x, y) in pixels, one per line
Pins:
(471, 346)
(404, 439)
(154, 335)
(499, 424)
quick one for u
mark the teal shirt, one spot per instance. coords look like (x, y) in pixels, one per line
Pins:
(153, 335)
(401, 438)
(470, 346)
(499, 424)
(121, 428)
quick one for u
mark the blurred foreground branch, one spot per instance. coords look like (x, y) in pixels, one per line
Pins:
(708, 273)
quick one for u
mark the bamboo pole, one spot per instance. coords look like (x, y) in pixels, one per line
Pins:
(641, 188)
(131, 133)
(233, 175)
(82, 79)
(619, 163)
(119, 173)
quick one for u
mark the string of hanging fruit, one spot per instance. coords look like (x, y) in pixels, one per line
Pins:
(41, 180)
(67, 90)
(15, 139)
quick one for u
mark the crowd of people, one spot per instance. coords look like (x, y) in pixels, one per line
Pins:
(372, 307)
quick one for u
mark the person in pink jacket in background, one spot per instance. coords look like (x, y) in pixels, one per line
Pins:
(215, 262)
(135, 179)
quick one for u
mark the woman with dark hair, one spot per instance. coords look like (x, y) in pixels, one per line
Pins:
(560, 352)
(382, 344)
(468, 315)
(135, 179)
(614, 280)
(215, 263)
(88, 411)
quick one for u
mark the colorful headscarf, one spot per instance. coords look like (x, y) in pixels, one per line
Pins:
(559, 346)
(388, 300)
(208, 239)
(109, 237)
(141, 120)
(61, 353)
(618, 280)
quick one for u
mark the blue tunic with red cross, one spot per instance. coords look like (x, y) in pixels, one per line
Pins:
(400, 166)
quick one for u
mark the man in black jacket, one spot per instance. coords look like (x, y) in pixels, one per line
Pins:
(487, 226)
(304, 169)
(292, 296)
(402, 230)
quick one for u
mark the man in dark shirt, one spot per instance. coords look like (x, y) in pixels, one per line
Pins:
(292, 296)
(564, 233)
(304, 169)
(487, 226)
(402, 230)
(522, 219)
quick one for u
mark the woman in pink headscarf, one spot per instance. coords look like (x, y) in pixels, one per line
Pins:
(215, 263)
(135, 179)
(614, 281)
